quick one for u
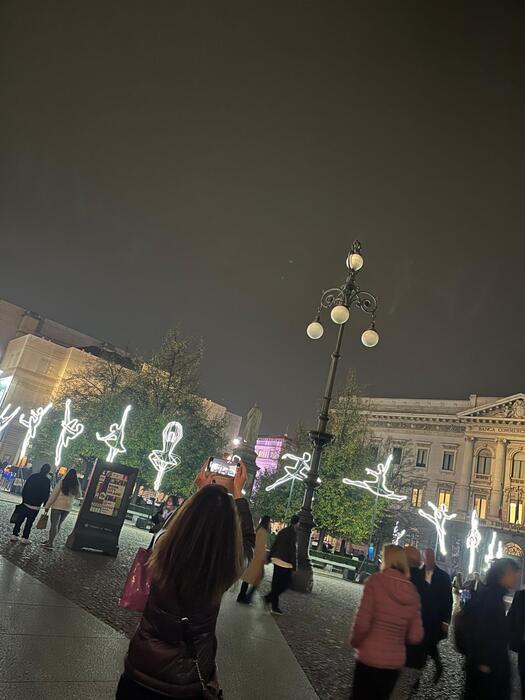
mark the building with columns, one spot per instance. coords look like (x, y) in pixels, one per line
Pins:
(468, 454)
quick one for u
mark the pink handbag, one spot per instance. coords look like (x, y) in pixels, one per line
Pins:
(138, 583)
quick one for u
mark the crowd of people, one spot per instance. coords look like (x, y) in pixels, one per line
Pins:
(203, 545)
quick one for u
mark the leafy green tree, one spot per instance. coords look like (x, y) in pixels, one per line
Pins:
(160, 388)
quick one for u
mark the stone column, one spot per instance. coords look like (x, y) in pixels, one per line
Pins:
(464, 477)
(498, 478)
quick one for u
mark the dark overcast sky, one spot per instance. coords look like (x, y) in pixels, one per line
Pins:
(208, 164)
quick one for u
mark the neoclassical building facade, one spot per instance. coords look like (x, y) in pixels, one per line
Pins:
(467, 454)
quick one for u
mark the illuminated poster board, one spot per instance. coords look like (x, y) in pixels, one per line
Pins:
(104, 507)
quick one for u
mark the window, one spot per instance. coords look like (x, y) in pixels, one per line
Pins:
(480, 505)
(416, 497)
(448, 460)
(397, 453)
(422, 457)
(516, 512)
(444, 498)
(517, 470)
(484, 462)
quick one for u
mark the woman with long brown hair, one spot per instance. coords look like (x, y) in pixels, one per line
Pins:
(61, 503)
(204, 550)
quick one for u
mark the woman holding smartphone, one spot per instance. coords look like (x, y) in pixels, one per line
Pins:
(203, 551)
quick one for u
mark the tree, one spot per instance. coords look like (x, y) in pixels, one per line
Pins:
(160, 388)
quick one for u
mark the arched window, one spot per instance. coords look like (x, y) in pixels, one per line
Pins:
(517, 470)
(484, 462)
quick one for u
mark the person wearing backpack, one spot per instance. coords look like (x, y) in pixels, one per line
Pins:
(516, 624)
(484, 635)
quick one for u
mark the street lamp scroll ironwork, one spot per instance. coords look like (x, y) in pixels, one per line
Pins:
(348, 295)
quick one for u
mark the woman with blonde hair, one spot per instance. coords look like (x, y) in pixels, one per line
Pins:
(389, 616)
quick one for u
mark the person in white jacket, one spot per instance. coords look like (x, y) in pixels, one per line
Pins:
(61, 502)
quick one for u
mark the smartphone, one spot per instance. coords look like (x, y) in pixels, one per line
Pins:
(222, 467)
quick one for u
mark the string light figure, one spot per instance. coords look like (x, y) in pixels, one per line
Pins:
(114, 440)
(294, 472)
(473, 540)
(31, 423)
(438, 518)
(499, 553)
(6, 417)
(489, 556)
(397, 534)
(377, 486)
(71, 429)
(165, 460)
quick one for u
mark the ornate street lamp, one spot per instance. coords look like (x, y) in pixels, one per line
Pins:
(340, 301)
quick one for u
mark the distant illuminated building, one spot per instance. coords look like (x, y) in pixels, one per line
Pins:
(269, 449)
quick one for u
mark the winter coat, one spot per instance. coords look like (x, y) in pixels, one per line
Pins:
(516, 622)
(59, 500)
(36, 490)
(389, 615)
(255, 572)
(487, 636)
(285, 546)
(158, 656)
(436, 605)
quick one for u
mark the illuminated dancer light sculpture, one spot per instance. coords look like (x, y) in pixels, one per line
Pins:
(293, 471)
(499, 553)
(31, 423)
(397, 534)
(165, 460)
(473, 540)
(71, 429)
(490, 555)
(438, 519)
(114, 440)
(5, 419)
(377, 486)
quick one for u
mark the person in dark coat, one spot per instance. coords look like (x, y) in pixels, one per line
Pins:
(436, 607)
(516, 625)
(202, 552)
(34, 494)
(487, 665)
(283, 555)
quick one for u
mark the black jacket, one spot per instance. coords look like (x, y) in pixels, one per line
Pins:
(285, 546)
(487, 633)
(436, 604)
(416, 653)
(36, 490)
(516, 622)
(158, 656)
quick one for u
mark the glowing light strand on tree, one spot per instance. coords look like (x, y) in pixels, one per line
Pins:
(377, 486)
(473, 540)
(31, 423)
(165, 460)
(438, 518)
(71, 429)
(397, 534)
(293, 471)
(5, 419)
(114, 440)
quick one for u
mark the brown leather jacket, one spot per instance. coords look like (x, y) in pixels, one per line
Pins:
(158, 657)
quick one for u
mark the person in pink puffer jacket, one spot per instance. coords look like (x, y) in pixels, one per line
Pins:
(388, 618)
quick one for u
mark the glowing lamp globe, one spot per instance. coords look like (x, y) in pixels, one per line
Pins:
(354, 261)
(340, 314)
(370, 338)
(315, 330)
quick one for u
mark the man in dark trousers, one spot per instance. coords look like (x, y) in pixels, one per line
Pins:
(34, 494)
(283, 555)
(436, 608)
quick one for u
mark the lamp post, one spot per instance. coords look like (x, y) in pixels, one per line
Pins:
(340, 300)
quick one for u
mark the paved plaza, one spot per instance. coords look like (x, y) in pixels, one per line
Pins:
(85, 588)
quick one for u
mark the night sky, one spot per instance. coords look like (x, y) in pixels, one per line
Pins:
(208, 164)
